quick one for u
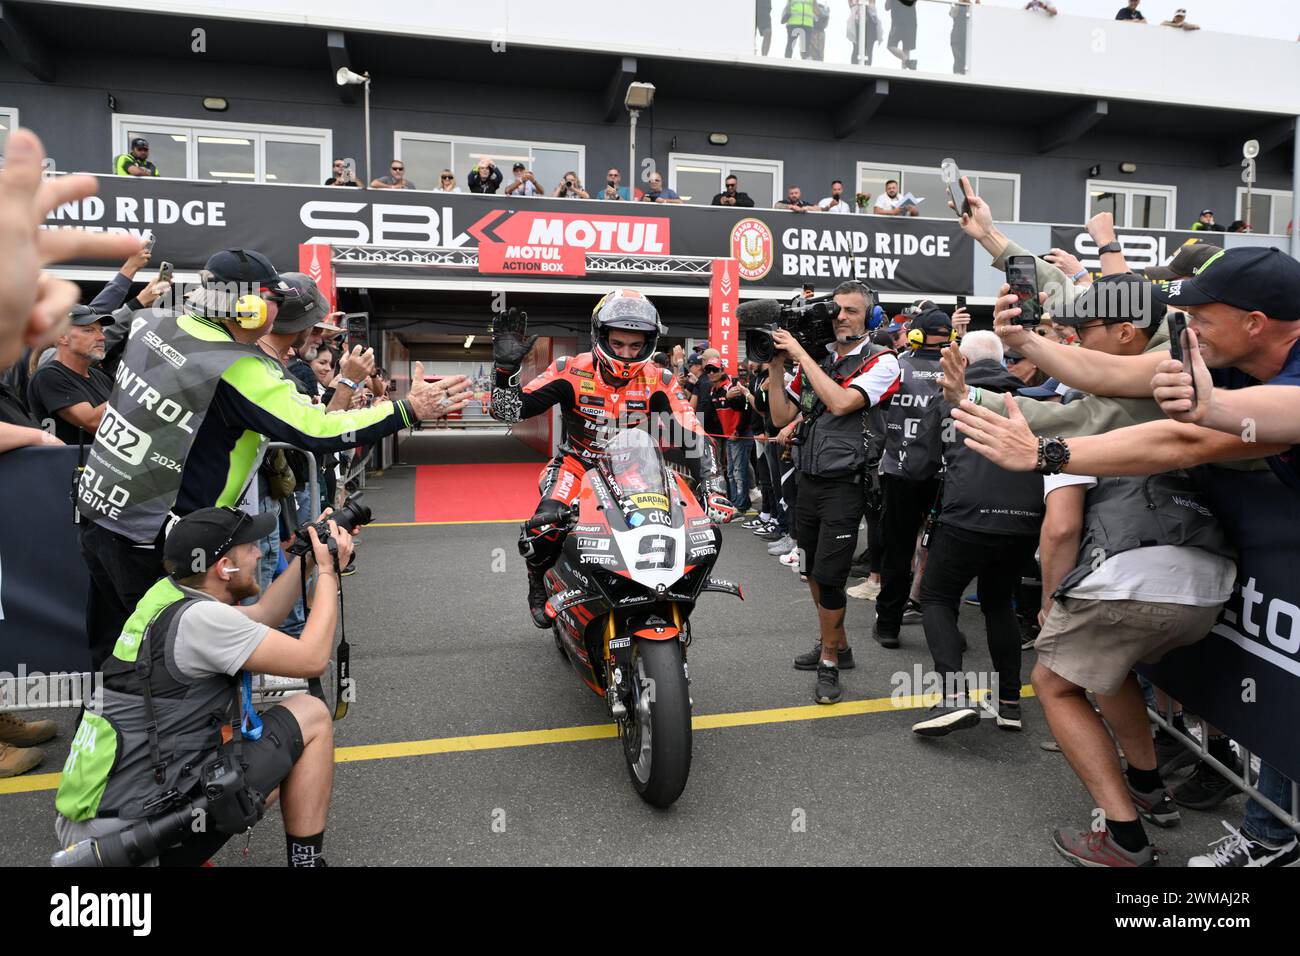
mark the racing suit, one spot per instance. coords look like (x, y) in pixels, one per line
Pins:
(593, 411)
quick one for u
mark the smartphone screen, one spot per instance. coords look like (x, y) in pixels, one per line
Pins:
(961, 302)
(1022, 276)
(951, 176)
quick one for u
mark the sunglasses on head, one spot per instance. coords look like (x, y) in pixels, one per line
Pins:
(224, 547)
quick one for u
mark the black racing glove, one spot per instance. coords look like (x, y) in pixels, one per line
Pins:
(511, 343)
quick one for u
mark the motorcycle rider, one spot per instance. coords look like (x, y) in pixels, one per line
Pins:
(611, 387)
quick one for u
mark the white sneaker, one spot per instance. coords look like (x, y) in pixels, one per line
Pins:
(868, 590)
(1237, 849)
(791, 559)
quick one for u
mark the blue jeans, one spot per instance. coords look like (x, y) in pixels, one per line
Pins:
(781, 513)
(738, 451)
(1259, 824)
(269, 564)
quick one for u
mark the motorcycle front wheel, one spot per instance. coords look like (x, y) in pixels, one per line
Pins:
(657, 732)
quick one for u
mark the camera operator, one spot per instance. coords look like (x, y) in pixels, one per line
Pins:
(909, 471)
(834, 396)
(987, 529)
(181, 672)
(198, 393)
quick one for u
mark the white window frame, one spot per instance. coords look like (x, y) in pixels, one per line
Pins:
(10, 113)
(258, 132)
(946, 213)
(453, 138)
(1275, 194)
(776, 166)
(1128, 188)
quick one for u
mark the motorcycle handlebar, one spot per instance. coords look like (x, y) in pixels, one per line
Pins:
(565, 519)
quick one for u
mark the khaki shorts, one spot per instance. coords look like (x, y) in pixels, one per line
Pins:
(1094, 644)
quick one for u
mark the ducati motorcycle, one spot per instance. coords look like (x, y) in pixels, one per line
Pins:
(637, 555)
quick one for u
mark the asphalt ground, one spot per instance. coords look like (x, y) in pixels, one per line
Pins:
(443, 649)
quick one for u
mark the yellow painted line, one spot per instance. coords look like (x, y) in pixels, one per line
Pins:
(428, 524)
(448, 745)
(567, 735)
(28, 783)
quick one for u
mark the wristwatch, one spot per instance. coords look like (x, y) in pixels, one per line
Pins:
(347, 381)
(1053, 456)
(1112, 246)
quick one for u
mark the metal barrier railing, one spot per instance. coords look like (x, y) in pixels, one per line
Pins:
(1202, 750)
(261, 693)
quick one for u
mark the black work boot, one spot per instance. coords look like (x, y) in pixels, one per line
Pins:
(537, 596)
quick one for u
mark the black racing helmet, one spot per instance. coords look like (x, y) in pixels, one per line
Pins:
(624, 309)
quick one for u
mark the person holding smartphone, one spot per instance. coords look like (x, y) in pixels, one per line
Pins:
(341, 175)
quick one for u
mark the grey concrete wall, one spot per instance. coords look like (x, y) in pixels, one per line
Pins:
(73, 119)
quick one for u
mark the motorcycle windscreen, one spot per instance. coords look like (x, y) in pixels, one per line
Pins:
(635, 474)
(652, 537)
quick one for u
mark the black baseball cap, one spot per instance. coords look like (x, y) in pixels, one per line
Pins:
(1253, 278)
(248, 267)
(1121, 297)
(932, 321)
(138, 142)
(198, 540)
(1186, 260)
(82, 315)
(309, 307)
(1207, 212)
(519, 166)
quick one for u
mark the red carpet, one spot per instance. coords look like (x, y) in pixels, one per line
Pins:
(499, 492)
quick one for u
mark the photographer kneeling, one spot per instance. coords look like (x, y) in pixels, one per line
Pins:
(157, 742)
(834, 395)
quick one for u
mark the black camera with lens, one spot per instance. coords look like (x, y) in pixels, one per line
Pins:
(231, 803)
(810, 321)
(351, 516)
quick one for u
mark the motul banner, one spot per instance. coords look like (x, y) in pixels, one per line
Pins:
(527, 242)
(724, 296)
(409, 234)
(314, 261)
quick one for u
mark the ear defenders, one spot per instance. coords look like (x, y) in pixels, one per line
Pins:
(250, 311)
(876, 319)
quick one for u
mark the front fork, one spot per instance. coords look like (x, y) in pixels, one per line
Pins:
(621, 680)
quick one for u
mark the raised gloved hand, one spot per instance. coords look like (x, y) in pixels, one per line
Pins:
(510, 341)
(718, 507)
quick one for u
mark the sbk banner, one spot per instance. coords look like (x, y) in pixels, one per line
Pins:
(43, 579)
(1245, 677)
(724, 296)
(1142, 248)
(408, 234)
